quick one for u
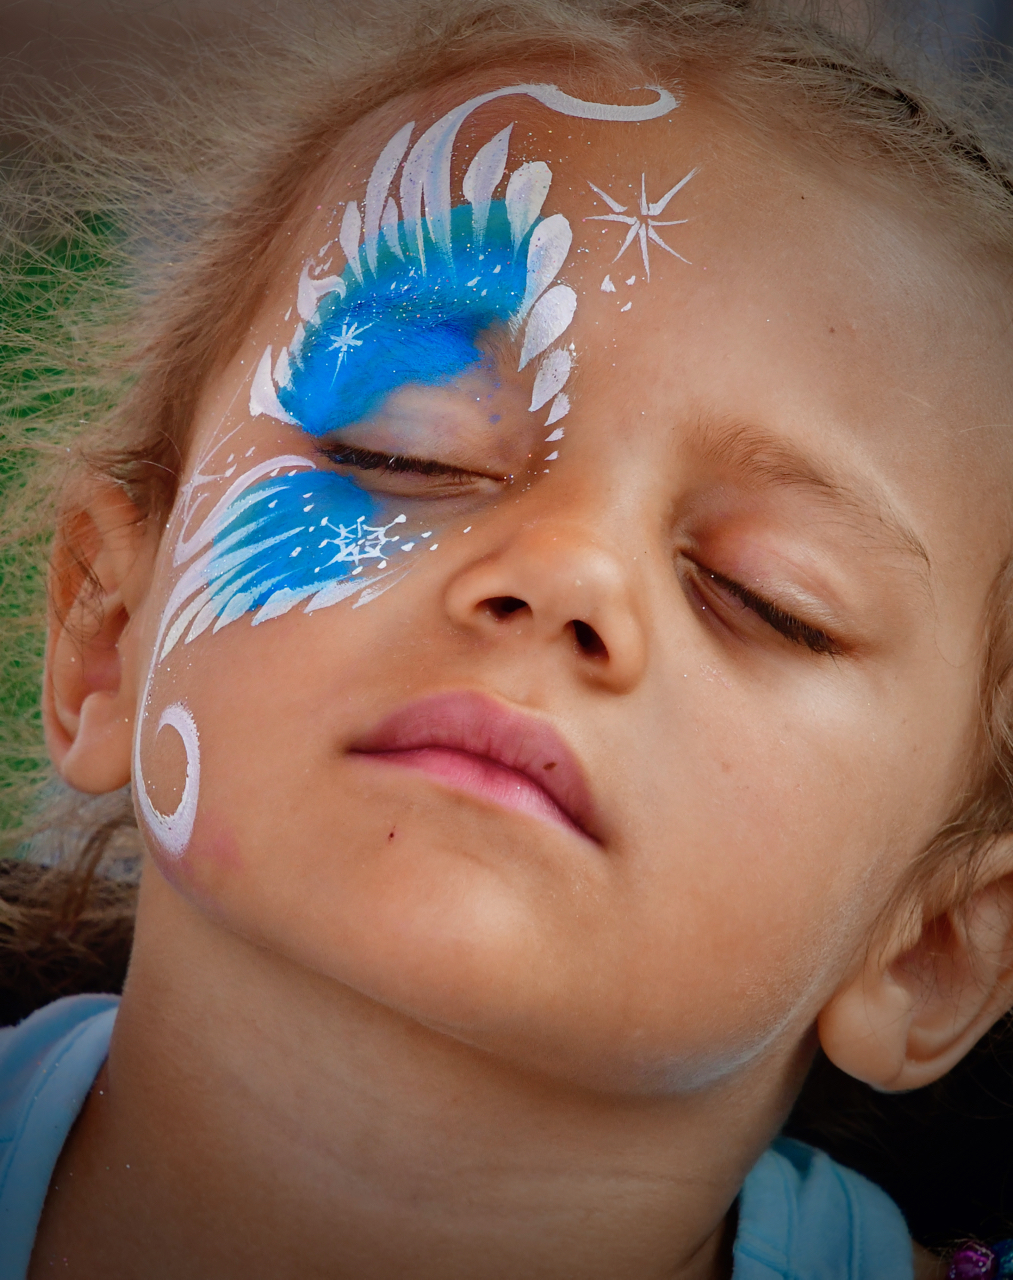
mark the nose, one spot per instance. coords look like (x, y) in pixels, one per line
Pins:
(554, 583)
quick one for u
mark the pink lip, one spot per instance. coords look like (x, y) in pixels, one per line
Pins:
(472, 743)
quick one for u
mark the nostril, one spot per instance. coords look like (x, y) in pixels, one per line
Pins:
(588, 640)
(503, 606)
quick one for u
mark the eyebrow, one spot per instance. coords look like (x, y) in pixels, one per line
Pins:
(771, 461)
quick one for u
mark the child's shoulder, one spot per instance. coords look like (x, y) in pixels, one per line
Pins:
(48, 1064)
(801, 1213)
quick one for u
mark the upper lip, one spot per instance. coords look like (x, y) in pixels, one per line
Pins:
(482, 726)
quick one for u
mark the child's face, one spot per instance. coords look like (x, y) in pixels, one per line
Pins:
(598, 736)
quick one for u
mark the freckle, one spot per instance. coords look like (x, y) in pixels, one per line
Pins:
(832, 329)
(550, 765)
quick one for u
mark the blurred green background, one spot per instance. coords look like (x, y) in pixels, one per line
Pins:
(44, 298)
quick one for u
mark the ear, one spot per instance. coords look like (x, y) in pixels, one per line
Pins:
(918, 1003)
(100, 572)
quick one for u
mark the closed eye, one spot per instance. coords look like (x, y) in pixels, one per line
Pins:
(780, 620)
(403, 475)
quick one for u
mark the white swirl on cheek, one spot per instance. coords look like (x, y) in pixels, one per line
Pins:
(173, 829)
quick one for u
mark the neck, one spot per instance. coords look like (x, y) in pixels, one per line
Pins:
(272, 1120)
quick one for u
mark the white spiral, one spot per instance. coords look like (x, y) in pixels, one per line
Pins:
(174, 829)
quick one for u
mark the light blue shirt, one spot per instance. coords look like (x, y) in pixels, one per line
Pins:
(801, 1216)
(48, 1063)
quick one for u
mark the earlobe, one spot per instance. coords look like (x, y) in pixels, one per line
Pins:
(99, 576)
(864, 1029)
(917, 1005)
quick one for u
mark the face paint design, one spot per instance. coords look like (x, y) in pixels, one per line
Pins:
(419, 286)
(415, 294)
(642, 228)
(414, 318)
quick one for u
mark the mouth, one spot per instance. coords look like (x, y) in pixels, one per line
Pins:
(474, 744)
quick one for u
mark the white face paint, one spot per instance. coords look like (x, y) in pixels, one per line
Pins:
(642, 228)
(286, 533)
(174, 829)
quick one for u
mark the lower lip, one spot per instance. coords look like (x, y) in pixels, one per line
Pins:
(480, 777)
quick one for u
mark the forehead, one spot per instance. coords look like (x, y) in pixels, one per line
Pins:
(717, 275)
(755, 208)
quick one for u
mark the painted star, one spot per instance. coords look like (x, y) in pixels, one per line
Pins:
(347, 338)
(642, 228)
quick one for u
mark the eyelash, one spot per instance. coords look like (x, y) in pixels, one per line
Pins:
(786, 624)
(370, 460)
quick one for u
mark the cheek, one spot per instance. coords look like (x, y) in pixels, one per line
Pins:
(761, 839)
(211, 867)
(271, 706)
(165, 770)
(303, 538)
(253, 705)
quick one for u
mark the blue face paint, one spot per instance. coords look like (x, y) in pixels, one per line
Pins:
(292, 535)
(414, 321)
